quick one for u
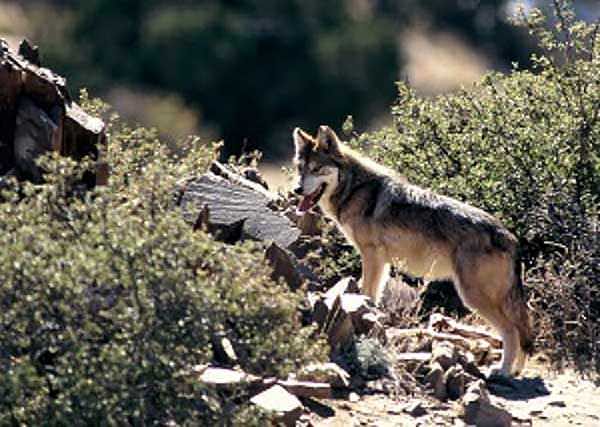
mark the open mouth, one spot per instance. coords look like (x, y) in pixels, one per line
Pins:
(310, 200)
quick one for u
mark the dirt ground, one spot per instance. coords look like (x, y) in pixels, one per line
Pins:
(539, 398)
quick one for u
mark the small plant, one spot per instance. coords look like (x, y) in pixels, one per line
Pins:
(365, 357)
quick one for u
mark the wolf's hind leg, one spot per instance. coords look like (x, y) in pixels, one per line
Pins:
(375, 271)
(484, 283)
(510, 362)
(511, 352)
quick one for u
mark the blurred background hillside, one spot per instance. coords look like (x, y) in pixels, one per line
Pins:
(248, 71)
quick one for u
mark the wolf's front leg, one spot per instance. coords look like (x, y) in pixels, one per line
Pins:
(375, 271)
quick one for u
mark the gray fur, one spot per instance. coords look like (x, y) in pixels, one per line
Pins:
(391, 221)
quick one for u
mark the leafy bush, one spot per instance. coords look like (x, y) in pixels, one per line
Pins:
(108, 299)
(525, 146)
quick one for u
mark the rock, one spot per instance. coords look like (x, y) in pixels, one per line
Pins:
(329, 372)
(356, 306)
(444, 353)
(83, 134)
(415, 409)
(319, 390)
(372, 322)
(343, 312)
(286, 406)
(353, 397)
(398, 296)
(36, 133)
(223, 351)
(254, 175)
(478, 410)
(558, 403)
(43, 86)
(231, 204)
(345, 285)
(482, 350)
(37, 115)
(467, 360)
(455, 382)
(225, 378)
(237, 177)
(307, 223)
(30, 52)
(435, 379)
(412, 360)
(286, 266)
(10, 78)
(536, 412)
(323, 307)
(354, 303)
(333, 318)
(340, 330)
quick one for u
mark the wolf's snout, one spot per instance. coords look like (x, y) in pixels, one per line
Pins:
(298, 190)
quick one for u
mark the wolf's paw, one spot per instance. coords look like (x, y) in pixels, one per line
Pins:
(498, 374)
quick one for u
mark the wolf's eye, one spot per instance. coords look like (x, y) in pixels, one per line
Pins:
(314, 167)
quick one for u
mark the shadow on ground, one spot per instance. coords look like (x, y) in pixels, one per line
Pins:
(518, 389)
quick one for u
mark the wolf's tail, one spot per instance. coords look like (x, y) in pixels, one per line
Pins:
(520, 312)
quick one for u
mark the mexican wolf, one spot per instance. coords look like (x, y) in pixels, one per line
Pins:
(390, 220)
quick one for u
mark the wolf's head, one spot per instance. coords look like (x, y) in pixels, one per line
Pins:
(318, 161)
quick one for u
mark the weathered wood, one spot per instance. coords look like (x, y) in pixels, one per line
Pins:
(38, 115)
(441, 323)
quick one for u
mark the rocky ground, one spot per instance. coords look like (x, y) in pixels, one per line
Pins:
(386, 369)
(540, 398)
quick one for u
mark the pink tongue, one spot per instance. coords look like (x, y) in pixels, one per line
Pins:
(305, 204)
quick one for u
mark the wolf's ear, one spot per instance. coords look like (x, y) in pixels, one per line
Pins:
(302, 140)
(329, 141)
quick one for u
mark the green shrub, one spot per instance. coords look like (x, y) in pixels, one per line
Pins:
(526, 147)
(108, 299)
